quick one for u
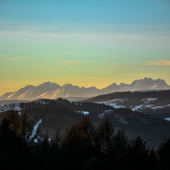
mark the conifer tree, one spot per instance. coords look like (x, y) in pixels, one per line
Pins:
(164, 154)
(87, 130)
(138, 154)
(120, 144)
(105, 132)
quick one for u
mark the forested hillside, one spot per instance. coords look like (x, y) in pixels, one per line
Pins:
(154, 103)
(60, 114)
(81, 146)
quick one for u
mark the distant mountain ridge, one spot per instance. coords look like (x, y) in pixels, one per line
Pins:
(53, 91)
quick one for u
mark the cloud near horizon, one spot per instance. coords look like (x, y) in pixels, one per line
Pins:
(156, 63)
(163, 63)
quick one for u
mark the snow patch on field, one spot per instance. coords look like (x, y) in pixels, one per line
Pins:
(122, 119)
(157, 107)
(84, 112)
(168, 119)
(42, 102)
(13, 106)
(137, 107)
(149, 99)
(112, 103)
(103, 114)
(117, 100)
(148, 105)
(4, 108)
(108, 111)
(115, 105)
(17, 107)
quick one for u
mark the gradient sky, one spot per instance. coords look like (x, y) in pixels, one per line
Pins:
(83, 42)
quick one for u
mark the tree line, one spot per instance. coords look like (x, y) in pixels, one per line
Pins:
(81, 146)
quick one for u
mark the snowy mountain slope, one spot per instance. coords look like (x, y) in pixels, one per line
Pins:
(53, 91)
(148, 83)
(31, 92)
(44, 90)
(6, 95)
(21, 93)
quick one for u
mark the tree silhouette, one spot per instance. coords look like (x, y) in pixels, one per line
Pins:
(12, 150)
(105, 131)
(118, 155)
(164, 154)
(137, 154)
(13, 118)
(80, 134)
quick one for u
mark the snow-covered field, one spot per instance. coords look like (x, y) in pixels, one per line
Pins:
(140, 107)
(116, 103)
(13, 106)
(147, 100)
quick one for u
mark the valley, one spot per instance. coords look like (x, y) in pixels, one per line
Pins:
(144, 112)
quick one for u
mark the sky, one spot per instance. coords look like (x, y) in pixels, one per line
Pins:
(83, 42)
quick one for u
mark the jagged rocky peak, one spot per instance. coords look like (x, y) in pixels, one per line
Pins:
(149, 83)
(67, 85)
(92, 87)
(148, 79)
(122, 84)
(114, 84)
(161, 81)
(44, 88)
(142, 81)
(48, 84)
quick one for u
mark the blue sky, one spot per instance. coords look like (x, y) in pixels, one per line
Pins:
(105, 12)
(83, 42)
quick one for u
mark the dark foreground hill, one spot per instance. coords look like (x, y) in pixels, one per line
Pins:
(60, 114)
(82, 146)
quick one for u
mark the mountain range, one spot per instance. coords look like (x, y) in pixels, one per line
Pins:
(53, 91)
